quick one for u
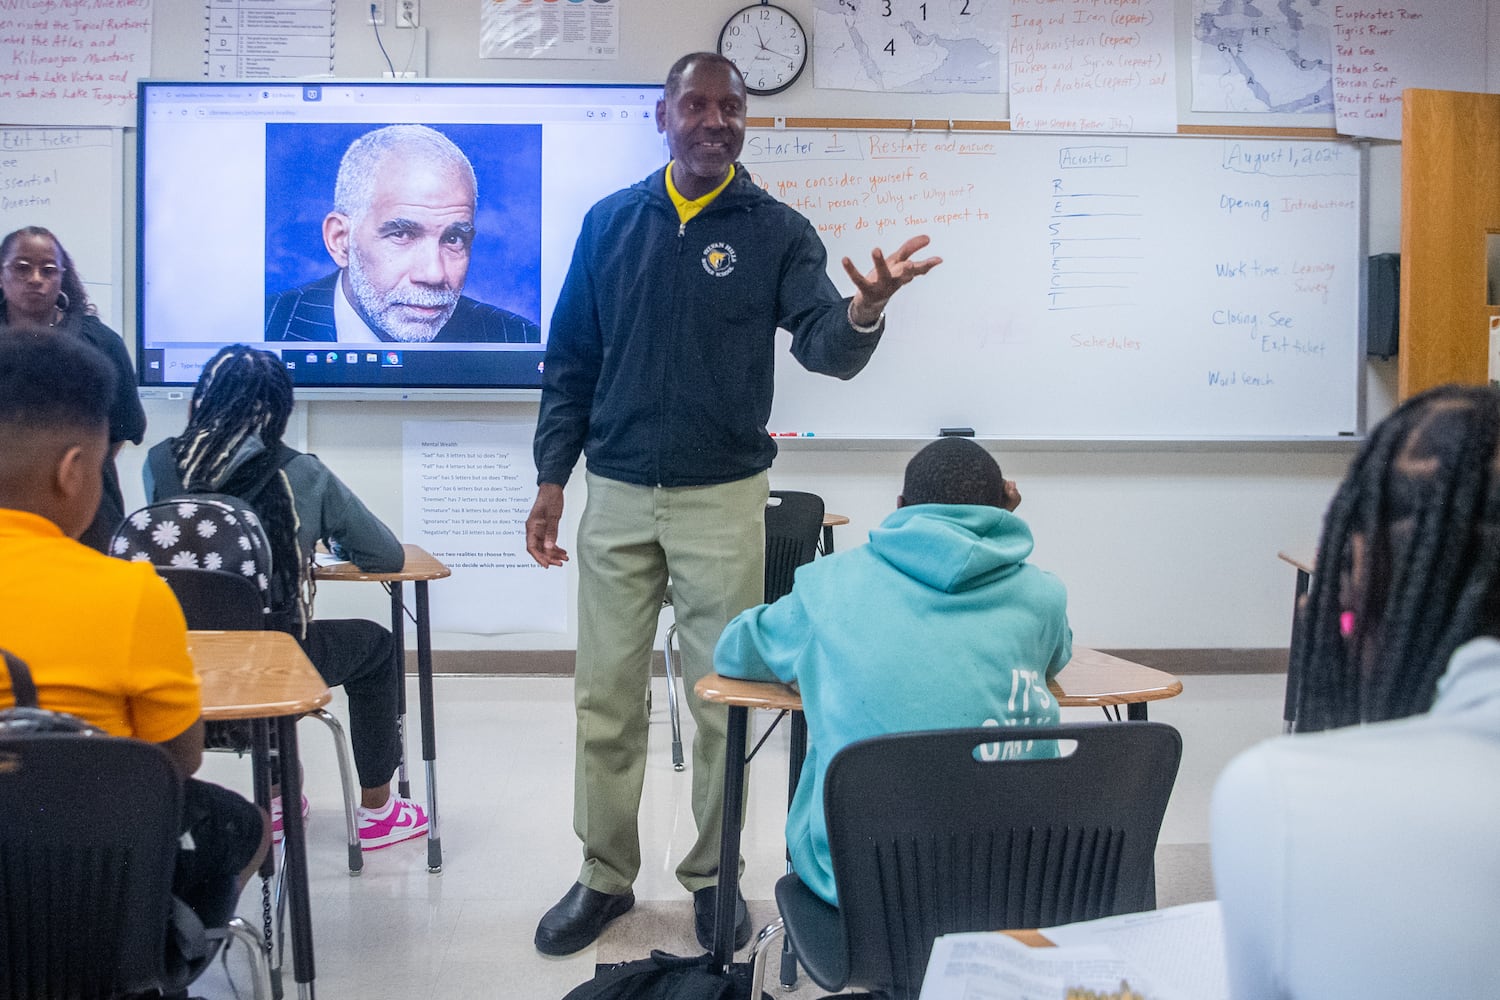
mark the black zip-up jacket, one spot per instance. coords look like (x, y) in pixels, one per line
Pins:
(660, 360)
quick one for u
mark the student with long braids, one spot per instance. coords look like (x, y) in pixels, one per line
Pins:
(1361, 859)
(232, 444)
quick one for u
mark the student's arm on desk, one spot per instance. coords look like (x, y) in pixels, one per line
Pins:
(765, 642)
(347, 525)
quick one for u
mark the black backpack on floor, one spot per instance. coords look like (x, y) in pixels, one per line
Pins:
(666, 977)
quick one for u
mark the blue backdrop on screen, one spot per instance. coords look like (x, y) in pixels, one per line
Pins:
(302, 162)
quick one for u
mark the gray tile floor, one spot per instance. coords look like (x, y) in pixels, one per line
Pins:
(505, 747)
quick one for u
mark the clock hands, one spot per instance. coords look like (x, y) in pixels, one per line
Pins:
(761, 41)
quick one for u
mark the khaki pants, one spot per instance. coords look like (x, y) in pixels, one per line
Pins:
(710, 542)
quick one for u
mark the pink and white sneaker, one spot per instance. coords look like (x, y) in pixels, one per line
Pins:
(399, 819)
(276, 831)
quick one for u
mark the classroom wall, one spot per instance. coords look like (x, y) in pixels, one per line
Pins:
(1160, 546)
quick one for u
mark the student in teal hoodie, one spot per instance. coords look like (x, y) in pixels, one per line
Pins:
(938, 623)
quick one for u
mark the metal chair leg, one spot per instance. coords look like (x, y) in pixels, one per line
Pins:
(760, 950)
(788, 965)
(260, 966)
(666, 655)
(346, 779)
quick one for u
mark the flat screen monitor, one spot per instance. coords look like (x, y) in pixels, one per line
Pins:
(425, 278)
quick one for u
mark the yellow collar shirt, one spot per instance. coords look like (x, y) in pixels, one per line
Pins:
(687, 208)
(104, 638)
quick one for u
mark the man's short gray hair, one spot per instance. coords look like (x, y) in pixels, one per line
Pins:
(355, 186)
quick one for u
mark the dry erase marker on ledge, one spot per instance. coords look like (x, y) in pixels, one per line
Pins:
(793, 434)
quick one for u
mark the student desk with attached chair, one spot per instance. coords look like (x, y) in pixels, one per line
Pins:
(264, 676)
(1090, 678)
(420, 568)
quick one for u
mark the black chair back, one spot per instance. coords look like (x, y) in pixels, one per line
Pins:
(933, 833)
(214, 599)
(213, 553)
(87, 850)
(794, 523)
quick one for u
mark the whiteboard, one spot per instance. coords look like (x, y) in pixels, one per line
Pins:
(70, 180)
(1092, 287)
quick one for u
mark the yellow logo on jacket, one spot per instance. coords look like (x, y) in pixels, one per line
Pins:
(718, 259)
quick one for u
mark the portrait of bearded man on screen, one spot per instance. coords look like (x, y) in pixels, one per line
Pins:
(401, 233)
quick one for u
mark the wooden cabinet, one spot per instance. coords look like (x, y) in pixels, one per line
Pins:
(1450, 203)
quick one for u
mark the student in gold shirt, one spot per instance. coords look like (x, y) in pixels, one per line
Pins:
(104, 638)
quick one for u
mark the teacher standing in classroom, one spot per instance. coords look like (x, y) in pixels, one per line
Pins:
(40, 289)
(659, 370)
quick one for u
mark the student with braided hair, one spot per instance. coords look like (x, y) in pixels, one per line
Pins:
(1360, 859)
(232, 444)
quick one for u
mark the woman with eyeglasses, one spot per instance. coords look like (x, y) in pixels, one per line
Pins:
(40, 289)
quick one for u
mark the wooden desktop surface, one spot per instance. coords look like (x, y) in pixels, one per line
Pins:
(1090, 678)
(1302, 562)
(420, 565)
(1094, 678)
(255, 675)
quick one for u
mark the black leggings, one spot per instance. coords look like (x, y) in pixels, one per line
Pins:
(359, 655)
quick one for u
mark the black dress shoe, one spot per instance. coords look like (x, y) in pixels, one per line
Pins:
(704, 902)
(578, 918)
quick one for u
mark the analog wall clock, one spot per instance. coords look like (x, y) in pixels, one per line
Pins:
(768, 46)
